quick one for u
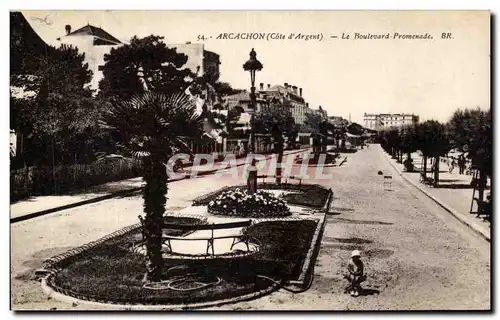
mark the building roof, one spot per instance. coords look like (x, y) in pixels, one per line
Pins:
(242, 96)
(389, 114)
(285, 92)
(98, 33)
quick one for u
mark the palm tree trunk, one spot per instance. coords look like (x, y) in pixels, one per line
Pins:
(154, 196)
(436, 172)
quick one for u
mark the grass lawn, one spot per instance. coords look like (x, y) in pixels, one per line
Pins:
(112, 272)
(286, 243)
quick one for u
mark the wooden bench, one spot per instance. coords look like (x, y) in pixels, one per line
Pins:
(387, 182)
(483, 208)
(237, 236)
(265, 177)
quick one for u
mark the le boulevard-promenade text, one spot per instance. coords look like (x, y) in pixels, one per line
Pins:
(320, 36)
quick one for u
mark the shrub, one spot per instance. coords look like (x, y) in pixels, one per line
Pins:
(241, 204)
(60, 179)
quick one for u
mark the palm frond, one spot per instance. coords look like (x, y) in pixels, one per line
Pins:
(151, 123)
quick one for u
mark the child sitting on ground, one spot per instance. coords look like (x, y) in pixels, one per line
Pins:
(356, 273)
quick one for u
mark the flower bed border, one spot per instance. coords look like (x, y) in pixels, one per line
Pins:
(52, 267)
(50, 270)
(52, 264)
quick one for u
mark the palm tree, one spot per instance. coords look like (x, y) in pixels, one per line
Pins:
(150, 126)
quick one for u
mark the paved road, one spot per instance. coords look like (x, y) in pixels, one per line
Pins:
(416, 254)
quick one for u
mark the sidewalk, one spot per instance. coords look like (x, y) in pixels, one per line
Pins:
(454, 193)
(41, 205)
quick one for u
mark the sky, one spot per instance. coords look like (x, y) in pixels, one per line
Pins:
(347, 77)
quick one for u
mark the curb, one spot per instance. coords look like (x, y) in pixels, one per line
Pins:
(129, 307)
(111, 195)
(453, 212)
(49, 271)
(73, 205)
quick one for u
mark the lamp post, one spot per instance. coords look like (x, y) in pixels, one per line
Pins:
(252, 65)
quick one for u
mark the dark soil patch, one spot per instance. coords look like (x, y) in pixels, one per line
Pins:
(378, 253)
(348, 240)
(455, 186)
(342, 209)
(315, 158)
(315, 199)
(343, 220)
(339, 246)
(112, 272)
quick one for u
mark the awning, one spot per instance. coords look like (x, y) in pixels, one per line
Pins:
(352, 135)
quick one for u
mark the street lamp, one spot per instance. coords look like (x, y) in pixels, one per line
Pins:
(252, 65)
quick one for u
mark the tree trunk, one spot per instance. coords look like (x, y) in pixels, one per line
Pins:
(481, 184)
(154, 195)
(424, 159)
(52, 155)
(278, 162)
(436, 172)
(409, 166)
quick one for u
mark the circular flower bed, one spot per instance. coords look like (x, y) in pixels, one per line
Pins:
(241, 204)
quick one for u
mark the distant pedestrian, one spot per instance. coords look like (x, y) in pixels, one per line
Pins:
(461, 164)
(356, 274)
(452, 166)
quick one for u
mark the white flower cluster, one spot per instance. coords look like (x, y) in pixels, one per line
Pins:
(238, 202)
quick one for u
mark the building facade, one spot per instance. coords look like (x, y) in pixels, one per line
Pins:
(199, 59)
(387, 120)
(95, 43)
(320, 112)
(290, 97)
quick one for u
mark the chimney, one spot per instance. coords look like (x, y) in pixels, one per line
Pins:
(300, 92)
(286, 85)
(307, 104)
(261, 86)
(268, 86)
(294, 89)
(68, 29)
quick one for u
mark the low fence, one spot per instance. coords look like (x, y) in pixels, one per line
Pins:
(53, 180)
